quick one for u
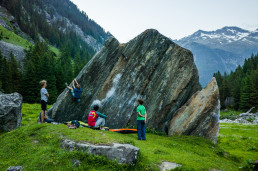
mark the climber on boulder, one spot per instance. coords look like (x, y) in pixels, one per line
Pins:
(76, 90)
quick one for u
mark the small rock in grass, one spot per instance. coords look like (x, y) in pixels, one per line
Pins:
(168, 166)
(14, 168)
(76, 163)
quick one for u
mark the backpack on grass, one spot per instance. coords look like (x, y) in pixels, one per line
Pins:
(75, 123)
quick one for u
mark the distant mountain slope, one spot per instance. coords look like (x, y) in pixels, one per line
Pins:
(223, 49)
(58, 22)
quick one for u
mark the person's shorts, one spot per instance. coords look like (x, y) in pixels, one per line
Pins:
(100, 122)
(43, 105)
(75, 99)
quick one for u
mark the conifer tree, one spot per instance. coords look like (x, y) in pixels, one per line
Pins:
(241, 85)
(1, 70)
(77, 64)
(30, 83)
(60, 80)
(66, 63)
(16, 76)
(6, 77)
(1, 90)
(253, 101)
(1, 67)
(245, 93)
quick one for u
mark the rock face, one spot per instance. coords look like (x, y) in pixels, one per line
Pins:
(200, 115)
(9, 22)
(150, 66)
(8, 48)
(123, 153)
(10, 111)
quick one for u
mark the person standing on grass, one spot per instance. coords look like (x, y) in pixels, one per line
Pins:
(44, 97)
(141, 120)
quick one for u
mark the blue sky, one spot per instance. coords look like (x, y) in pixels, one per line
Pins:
(125, 19)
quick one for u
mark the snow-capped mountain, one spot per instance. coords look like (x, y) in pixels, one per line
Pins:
(223, 49)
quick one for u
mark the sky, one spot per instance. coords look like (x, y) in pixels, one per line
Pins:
(176, 19)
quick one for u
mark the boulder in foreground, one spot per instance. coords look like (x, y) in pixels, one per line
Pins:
(122, 153)
(10, 111)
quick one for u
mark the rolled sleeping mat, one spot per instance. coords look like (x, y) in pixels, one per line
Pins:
(124, 131)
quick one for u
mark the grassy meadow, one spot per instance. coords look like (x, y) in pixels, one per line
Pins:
(37, 147)
(10, 37)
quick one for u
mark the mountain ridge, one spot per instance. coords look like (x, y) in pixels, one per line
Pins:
(223, 49)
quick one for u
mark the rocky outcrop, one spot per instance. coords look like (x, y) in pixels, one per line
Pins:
(150, 66)
(200, 115)
(8, 48)
(9, 22)
(10, 111)
(243, 118)
(122, 153)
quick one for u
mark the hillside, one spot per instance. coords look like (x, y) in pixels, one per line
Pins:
(223, 49)
(31, 31)
(60, 23)
(37, 146)
(239, 89)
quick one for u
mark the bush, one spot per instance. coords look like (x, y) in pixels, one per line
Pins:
(248, 165)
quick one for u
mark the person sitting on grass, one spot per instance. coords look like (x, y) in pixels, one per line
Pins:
(45, 119)
(76, 90)
(96, 119)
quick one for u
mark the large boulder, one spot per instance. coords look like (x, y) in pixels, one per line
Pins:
(10, 111)
(200, 115)
(150, 66)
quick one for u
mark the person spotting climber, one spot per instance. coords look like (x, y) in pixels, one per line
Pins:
(141, 120)
(76, 90)
(44, 97)
(96, 119)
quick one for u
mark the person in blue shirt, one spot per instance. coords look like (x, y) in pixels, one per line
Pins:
(76, 91)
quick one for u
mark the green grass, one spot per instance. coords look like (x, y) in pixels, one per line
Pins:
(37, 147)
(55, 50)
(11, 37)
(239, 140)
(8, 23)
(229, 114)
